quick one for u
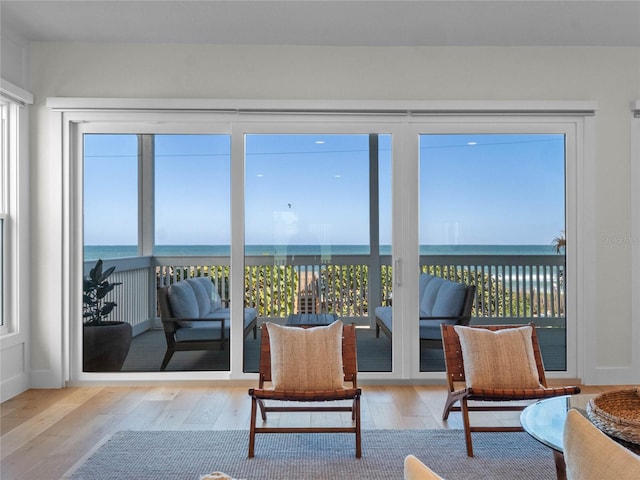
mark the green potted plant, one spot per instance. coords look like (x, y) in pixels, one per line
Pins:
(105, 342)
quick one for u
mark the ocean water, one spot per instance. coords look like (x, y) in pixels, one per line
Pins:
(93, 252)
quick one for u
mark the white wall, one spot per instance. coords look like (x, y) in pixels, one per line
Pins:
(14, 55)
(609, 76)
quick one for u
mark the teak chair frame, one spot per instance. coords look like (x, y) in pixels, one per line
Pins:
(260, 395)
(459, 392)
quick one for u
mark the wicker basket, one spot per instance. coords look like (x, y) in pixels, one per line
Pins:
(617, 413)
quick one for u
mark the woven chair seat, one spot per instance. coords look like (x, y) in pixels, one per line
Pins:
(305, 396)
(499, 394)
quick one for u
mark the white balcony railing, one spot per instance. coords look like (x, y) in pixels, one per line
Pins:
(510, 288)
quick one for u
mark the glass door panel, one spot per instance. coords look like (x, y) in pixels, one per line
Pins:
(309, 248)
(110, 203)
(193, 233)
(492, 214)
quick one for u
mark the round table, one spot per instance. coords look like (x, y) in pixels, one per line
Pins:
(544, 421)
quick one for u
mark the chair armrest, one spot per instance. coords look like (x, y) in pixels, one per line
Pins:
(458, 317)
(199, 319)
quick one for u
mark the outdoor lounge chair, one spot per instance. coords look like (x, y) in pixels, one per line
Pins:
(441, 302)
(307, 366)
(193, 318)
(494, 363)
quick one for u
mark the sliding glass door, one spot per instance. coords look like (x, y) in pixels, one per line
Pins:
(165, 197)
(313, 245)
(492, 214)
(333, 218)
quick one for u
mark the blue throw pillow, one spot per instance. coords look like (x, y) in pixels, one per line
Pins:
(183, 302)
(212, 292)
(449, 300)
(424, 280)
(202, 296)
(428, 300)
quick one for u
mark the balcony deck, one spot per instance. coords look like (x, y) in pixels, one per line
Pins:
(510, 289)
(374, 354)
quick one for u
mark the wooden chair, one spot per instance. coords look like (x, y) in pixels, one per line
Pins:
(262, 394)
(460, 392)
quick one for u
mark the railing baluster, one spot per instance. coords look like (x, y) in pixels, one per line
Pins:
(513, 287)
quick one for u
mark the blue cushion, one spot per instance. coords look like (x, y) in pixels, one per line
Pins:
(202, 296)
(206, 331)
(183, 302)
(449, 300)
(224, 313)
(430, 329)
(384, 314)
(424, 279)
(212, 292)
(429, 296)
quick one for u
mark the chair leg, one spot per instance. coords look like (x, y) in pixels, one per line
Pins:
(467, 426)
(263, 410)
(165, 360)
(252, 428)
(451, 400)
(358, 432)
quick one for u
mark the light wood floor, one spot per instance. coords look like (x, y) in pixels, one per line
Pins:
(47, 432)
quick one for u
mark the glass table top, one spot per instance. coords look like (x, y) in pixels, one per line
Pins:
(544, 420)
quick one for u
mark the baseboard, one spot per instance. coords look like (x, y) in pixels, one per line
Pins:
(11, 387)
(613, 376)
(45, 379)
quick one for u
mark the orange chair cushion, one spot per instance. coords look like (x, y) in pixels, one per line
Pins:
(498, 359)
(306, 359)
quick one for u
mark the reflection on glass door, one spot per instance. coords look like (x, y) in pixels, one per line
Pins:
(311, 254)
(492, 214)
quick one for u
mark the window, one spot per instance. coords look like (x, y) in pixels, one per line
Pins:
(4, 187)
(236, 171)
(14, 200)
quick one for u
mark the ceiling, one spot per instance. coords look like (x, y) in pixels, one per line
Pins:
(339, 23)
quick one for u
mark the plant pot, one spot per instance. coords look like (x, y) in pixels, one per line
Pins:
(105, 347)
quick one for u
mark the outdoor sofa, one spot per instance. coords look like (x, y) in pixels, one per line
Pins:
(193, 317)
(441, 301)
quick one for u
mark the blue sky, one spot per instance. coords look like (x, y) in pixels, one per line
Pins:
(313, 189)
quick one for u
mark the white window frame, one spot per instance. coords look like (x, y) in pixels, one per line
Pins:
(5, 324)
(532, 123)
(13, 202)
(14, 210)
(635, 238)
(248, 116)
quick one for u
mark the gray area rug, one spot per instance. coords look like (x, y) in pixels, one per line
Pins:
(147, 455)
